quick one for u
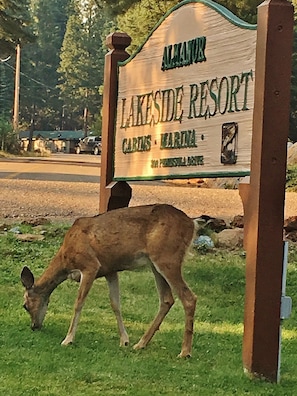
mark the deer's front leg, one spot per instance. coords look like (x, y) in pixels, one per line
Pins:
(114, 295)
(86, 282)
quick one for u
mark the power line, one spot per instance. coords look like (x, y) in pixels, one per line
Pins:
(30, 78)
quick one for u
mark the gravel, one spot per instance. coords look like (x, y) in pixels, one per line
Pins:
(25, 199)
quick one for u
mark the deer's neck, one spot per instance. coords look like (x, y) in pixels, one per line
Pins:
(52, 276)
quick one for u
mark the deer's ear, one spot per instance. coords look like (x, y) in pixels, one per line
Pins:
(27, 278)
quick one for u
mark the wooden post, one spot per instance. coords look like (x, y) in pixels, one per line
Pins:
(112, 194)
(17, 89)
(264, 212)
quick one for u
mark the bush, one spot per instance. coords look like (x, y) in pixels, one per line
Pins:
(291, 180)
(8, 138)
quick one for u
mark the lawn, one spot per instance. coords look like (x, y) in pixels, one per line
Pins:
(34, 363)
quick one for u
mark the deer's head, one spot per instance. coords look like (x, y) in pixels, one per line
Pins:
(35, 303)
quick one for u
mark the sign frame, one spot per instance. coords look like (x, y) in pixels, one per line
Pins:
(186, 161)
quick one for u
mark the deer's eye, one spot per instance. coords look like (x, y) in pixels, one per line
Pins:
(25, 307)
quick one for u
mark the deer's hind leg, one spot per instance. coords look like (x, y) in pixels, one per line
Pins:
(171, 270)
(166, 302)
(114, 295)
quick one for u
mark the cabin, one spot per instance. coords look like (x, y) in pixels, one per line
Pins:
(52, 141)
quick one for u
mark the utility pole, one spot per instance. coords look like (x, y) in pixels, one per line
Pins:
(86, 112)
(17, 89)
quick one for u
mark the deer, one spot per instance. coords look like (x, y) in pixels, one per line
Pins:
(157, 235)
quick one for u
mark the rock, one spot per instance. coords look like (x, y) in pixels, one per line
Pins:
(291, 236)
(3, 227)
(216, 224)
(237, 222)
(29, 237)
(227, 183)
(211, 223)
(290, 224)
(203, 242)
(36, 222)
(230, 238)
(15, 230)
(40, 229)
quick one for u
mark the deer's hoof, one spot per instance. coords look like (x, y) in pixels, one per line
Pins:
(66, 342)
(185, 355)
(138, 346)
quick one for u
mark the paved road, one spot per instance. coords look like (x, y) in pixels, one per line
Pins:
(62, 167)
(67, 185)
(57, 167)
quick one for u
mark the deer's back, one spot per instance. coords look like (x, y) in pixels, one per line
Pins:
(124, 238)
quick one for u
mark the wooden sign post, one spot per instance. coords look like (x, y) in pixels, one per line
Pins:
(264, 203)
(112, 194)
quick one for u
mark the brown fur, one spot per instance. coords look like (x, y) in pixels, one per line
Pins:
(123, 239)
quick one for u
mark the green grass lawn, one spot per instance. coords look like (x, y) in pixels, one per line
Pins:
(34, 363)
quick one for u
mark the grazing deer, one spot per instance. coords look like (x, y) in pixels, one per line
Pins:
(122, 239)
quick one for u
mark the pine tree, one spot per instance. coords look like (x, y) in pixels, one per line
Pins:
(138, 18)
(82, 60)
(39, 94)
(14, 21)
(141, 18)
(6, 87)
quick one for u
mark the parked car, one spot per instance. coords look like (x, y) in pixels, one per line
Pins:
(90, 144)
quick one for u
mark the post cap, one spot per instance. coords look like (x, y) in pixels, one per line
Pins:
(118, 40)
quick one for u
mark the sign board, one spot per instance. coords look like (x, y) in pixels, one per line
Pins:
(185, 99)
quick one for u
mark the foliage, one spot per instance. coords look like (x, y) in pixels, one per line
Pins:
(246, 10)
(14, 21)
(291, 182)
(40, 104)
(140, 19)
(33, 363)
(96, 126)
(51, 97)
(6, 86)
(8, 138)
(82, 60)
(137, 18)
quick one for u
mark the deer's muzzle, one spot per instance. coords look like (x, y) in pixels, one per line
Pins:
(35, 326)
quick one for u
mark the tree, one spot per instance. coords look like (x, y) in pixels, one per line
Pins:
(6, 89)
(14, 25)
(14, 29)
(116, 8)
(138, 17)
(8, 139)
(82, 61)
(244, 9)
(40, 103)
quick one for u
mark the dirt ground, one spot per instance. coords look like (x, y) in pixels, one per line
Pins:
(23, 199)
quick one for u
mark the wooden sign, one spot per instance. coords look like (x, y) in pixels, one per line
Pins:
(185, 99)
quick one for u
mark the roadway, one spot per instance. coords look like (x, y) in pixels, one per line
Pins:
(58, 167)
(68, 184)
